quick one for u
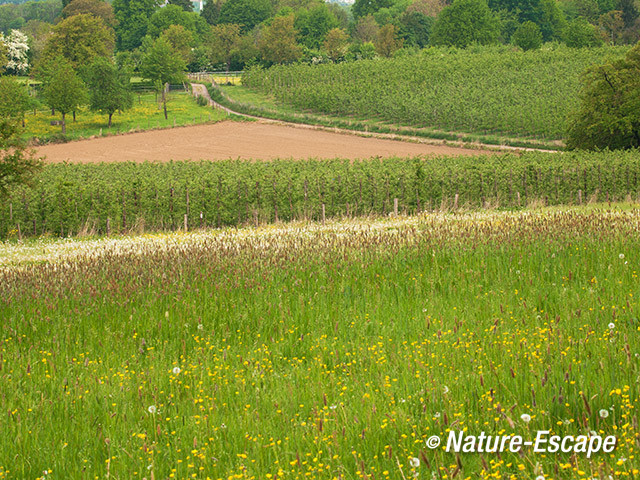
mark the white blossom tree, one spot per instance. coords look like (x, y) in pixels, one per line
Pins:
(17, 52)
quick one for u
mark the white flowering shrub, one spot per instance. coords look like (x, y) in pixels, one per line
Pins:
(17, 51)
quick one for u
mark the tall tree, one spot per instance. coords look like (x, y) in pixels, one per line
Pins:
(133, 21)
(181, 40)
(97, 8)
(80, 39)
(174, 15)
(223, 41)
(388, 41)
(162, 65)
(186, 5)
(314, 24)
(109, 88)
(465, 22)
(64, 91)
(366, 29)
(17, 164)
(335, 44)
(362, 8)
(246, 13)
(14, 99)
(609, 116)
(278, 41)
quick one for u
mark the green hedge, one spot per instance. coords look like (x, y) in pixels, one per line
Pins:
(67, 198)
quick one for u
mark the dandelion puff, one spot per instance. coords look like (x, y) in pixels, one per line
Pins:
(436, 415)
(445, 390)
(621, 256)
(525, 417)
(200, 326)
(612, 326)
(176, 370)
(152, 409)
(604, 413)
(414, 462)
(540, 477)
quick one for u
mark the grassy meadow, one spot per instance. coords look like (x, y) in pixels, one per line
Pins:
(146, 114)
(332, 351)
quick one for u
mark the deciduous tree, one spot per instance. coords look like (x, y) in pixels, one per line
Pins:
(335, 44)
(80, 39)
(223, 42)
(14, 99)
(278, 41)
(17, 164)
(162, 65)
(64, 91)
(466, 22)
(609, 116)
(387, 41)
(97, 8)
(109, 88)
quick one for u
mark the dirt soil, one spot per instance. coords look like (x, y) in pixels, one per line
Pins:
(243, 140)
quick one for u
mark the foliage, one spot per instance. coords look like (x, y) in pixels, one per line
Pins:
(313, 24)
(14, 99)
(80, 39)
(490, 90)
(366, 29)
(17, 165)
(388, 40)
(181, 40)
(64, 91)
(162, 65)
(97, 8)
(335, 44)
(527, 36)
(169, 15)
(580, 33)
(133, 21)
(277, 43)
(223, 42)
(465, 22)
(230, 193)
(246, 13)
(609, 116)
(362, 8)
(109, 88)
(16, 16)
(415, 28)
(186, 5)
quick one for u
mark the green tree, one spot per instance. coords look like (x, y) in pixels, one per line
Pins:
(186, 5)
(335, 44)
(97, 8)
(366, 29)
(64, 91)
(527, 36)
(17, 164)
(174, 15)
(14, 99)
(4, 57)
(466, 22)
(162, 65)
(415, 28)
(609, 115)
(246, 13)
(223, 42)
(211, 11)
(80, 39)
(580, 33)
(133, 21)
(278, 41)
(109, 88)
(181, 40)
(387, 41)
(362, 8)
(314, 24)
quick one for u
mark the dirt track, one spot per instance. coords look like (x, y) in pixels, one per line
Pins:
(245, 140)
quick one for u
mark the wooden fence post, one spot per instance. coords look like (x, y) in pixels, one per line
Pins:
(395, 207)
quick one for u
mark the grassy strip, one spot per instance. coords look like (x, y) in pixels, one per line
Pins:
(67, 199)
(146, 114)
(242, 100)
(309, 351)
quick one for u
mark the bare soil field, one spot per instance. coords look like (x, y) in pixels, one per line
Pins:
(242, 140)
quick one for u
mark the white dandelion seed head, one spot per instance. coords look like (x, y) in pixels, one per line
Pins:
(414, 462)
(176, 370)
(437, 415)
(612, 326)
(445, 390)
(540, 477)
(200, 326)
(525, 417)
(621, 256)
(152, 409)
(604, 413)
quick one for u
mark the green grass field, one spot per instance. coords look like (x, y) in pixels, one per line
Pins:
(322, 351)
(145, 114)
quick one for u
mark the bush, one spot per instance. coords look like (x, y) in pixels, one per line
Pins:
(527, 36)
(580, 33)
